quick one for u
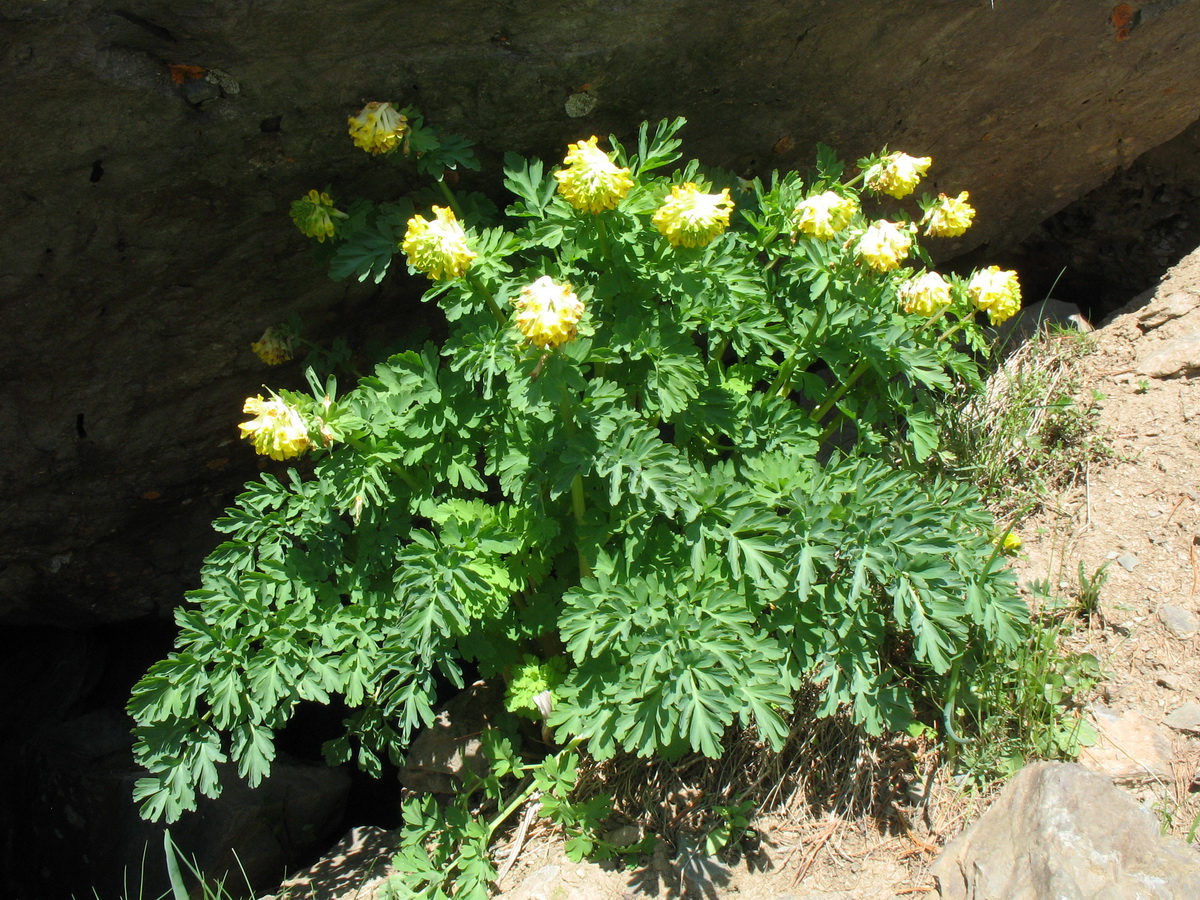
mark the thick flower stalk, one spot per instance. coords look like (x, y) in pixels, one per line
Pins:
(689, 218)
(996, 291)
(438, 248)
(378, 128)
(897, 174)
(824, 215)
(314, 215)
(548, 313)
(277, 429)
(926, 295)
(884, 245)
(592, 182)
(949, 216)
(276, 346)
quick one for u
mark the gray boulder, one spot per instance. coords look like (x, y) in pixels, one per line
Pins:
(1060, 832)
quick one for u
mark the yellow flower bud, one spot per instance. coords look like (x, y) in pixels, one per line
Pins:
(438, 248)
(997, 291)
(548, 313)
(378, 128)
(591, 181)
(276, 346)
(689, 218)
(277, 431)
(824, 215)
(897, 174)
(314, 215)
(926, 295)
(949, 216)
(884, 245)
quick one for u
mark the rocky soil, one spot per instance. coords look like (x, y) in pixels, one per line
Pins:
(1133, 515)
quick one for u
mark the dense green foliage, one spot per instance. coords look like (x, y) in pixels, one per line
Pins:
(712, 496)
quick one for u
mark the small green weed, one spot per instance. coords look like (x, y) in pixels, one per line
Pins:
(1032, 429)
(1028, 707)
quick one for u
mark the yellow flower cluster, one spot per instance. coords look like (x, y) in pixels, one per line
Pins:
(949, 216)
(378, 128)
(926, 295)
(548, 313)
(884, 245)
(591, 181)
(996, 291)
(438, 248)
(897, 174)
(276, 346)
(277, 429)
(314, 214)
(689, 218)
(824, 215)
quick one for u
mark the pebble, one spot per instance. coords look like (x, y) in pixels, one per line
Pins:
(1128, 561)
(1185, 718)
(1179, 621)
(1170, 682)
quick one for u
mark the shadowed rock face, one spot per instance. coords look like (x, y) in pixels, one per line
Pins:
(146, 239)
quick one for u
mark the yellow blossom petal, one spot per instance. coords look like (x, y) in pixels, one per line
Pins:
(884, 245)
(897, 174)
(824, 215)
(591, 181)
(690, 218)
(276, 346)
(438, 248)
(926, 295)
(314, 215)
(277, 429)
(378, 128)
(548, 313)
(950, 216)
(997, 291)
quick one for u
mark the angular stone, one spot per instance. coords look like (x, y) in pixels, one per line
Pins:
(1185, 718)
(1179, 621)
(352, 870)
(1060, 831)
(1130, 747)
(438, 757)
(1167, 359)
(1163, 309)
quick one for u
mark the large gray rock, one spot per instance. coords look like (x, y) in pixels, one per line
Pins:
(1060, 832)
(146, 239)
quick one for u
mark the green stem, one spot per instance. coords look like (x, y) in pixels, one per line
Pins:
(602, 231)
(522, 795)
(578, 509)
(474, 281)
(822, 410)
(450, 198)
(833, 426)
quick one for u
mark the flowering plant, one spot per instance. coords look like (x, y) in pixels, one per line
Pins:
(669, 465)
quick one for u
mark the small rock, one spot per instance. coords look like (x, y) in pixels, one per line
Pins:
(1185, 718)
(1162, 310)
(1174, 357)
(624, 835)
(1128, 561)
(1179, 621)
(540, 883)
(1170, 682)
(1130, 747)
